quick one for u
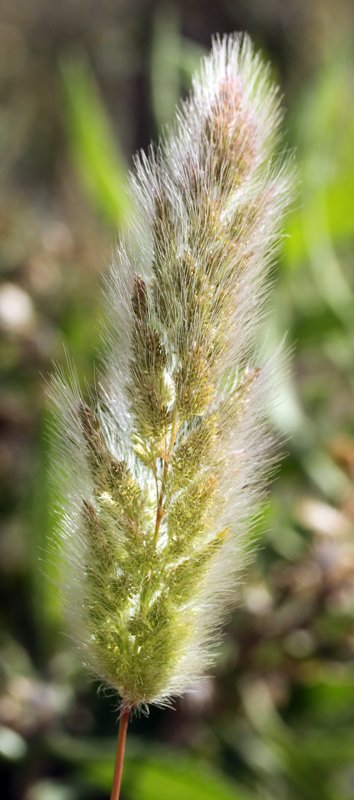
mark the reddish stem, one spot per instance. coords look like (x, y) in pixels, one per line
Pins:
(118, 766)
(167, 456)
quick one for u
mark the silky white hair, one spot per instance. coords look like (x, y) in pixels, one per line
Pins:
(167, 465)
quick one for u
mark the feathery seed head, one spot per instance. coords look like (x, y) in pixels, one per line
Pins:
(166, 467)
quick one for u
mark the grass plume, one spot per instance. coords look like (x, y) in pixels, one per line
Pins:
(165, 467)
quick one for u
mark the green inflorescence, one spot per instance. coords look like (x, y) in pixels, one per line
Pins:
(135, 588)
(151, 521)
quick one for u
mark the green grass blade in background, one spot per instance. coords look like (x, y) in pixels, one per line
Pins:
(173, 61)
(323, 127)
(177, 778)
(94, 148)
(150, 773)
(165, 60)
(170, 778)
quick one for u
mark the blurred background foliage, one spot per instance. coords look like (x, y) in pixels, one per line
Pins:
(83, 85)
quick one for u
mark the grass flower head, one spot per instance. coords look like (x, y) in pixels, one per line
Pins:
(165, 467)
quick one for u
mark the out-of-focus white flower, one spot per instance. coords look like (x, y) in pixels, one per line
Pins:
(16, 309)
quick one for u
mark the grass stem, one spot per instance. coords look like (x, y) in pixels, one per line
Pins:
(119, 761)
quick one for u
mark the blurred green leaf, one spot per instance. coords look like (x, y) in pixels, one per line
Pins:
(95, 149)
(328, 697)
(176, 778)
(165, 64)
(148, 773)
(323, 125)
(173, 61)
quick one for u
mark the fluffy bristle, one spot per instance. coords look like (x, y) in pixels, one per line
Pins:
(166, 467)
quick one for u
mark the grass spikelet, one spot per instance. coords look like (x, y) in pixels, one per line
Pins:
(164, 468)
